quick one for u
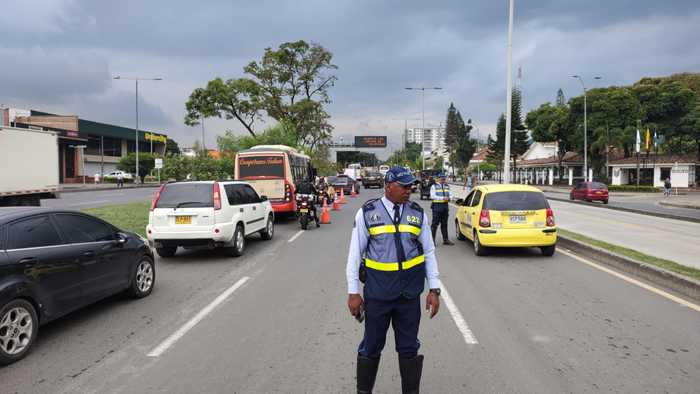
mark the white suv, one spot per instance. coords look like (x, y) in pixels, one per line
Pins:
(210, 214)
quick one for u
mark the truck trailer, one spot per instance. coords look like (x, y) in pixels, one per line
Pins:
(28, 166)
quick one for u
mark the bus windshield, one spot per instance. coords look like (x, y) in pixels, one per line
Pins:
(267, 166)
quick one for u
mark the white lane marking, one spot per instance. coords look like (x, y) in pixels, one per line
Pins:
(634, 282)
(168, 342)
(462, 326)
(88, 203)
(297, 235)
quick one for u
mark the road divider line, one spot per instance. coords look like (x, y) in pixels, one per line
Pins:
(462, 326)
(634, 281)
(295, 236)
(170, 341)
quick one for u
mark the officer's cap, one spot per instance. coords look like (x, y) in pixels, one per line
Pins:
(400, 175)
(442, 175)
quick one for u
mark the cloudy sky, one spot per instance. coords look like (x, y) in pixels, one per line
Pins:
(61, 55)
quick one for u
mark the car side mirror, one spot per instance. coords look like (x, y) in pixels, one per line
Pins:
(459, 201)
(263, 198)
(121, 239)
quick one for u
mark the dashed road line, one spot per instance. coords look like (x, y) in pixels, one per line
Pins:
(295, 236)
(174, 337)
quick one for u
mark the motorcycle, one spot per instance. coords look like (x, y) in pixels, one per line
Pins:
(306, 210)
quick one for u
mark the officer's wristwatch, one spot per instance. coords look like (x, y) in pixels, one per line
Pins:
(435, 291)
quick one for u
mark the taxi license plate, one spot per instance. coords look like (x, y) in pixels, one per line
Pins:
(518, 219)
(183, 219)
(304, 210)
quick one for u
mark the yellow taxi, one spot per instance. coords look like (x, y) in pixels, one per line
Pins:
(506, 216)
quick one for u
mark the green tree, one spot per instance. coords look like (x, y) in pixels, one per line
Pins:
(146, 164)
(551, 123)
(465, 145)
(690, 126)
(171, 147)
(452, 126)
(176, 167)
(289, 84)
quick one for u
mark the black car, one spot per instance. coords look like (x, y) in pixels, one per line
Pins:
(53, 262)
(373, 179)
(344, 182)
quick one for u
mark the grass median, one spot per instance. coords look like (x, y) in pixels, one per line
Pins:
(129, 217)
(635, 255)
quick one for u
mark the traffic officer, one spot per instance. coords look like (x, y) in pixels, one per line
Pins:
(440, 195)
(392, 253)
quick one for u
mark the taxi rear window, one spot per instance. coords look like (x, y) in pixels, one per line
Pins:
(515, 201)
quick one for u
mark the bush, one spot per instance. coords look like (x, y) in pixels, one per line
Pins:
(633, 188)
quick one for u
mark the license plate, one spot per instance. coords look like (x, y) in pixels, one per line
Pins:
(183, 219)
(304, 210)
(598, 192)
(518, 219)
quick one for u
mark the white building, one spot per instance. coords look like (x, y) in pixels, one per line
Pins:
(432, 138)
(653, 170)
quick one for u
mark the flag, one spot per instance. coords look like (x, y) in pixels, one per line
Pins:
(647, 140)
(637, 142)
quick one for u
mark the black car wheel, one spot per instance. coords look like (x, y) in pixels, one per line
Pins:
(238, 242)
(479, 250)
(19, 325)
(269, 230)
(548, 250)
(460, 236)
(143, 278)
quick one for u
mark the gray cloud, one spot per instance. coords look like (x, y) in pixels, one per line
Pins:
(64, 60)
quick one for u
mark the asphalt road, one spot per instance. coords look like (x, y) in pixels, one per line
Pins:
(535, 325)
(94, 199)
(643, 203)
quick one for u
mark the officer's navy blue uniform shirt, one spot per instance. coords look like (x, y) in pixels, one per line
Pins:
(358, 244)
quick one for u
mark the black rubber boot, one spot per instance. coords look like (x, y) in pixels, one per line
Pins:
(411, 369)
(366, 374)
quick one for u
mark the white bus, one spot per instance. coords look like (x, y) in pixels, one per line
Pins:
(273, 171)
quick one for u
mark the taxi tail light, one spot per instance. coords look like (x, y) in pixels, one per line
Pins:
(217, 197)
(485, 218)
(550, 217)
(154, 202)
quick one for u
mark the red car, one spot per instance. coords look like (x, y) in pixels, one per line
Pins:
(590, 191)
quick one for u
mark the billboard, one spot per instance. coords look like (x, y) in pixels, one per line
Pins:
(370, 141)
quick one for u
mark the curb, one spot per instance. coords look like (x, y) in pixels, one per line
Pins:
(94, 189)
(670, 204)
(631, 210)
(682, 285)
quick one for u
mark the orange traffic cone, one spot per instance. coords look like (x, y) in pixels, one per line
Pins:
(336, 207)
(342, 195)
(353, 194)
(325, 215)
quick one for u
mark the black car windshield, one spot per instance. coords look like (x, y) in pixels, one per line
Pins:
(337, 180)
(515, 201)
(187, 195)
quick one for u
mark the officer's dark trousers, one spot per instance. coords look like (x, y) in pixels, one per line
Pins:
(440, 212)
(404, 315)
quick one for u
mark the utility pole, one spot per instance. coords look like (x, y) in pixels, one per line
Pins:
(509, 94)
(136, 131)
(422, 89)
(585, 128)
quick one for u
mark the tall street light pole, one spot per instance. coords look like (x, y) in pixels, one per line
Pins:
(585, 127)
(509, 94)
(136, 131)
(423, 89)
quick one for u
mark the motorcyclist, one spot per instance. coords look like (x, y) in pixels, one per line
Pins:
(306, 188)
